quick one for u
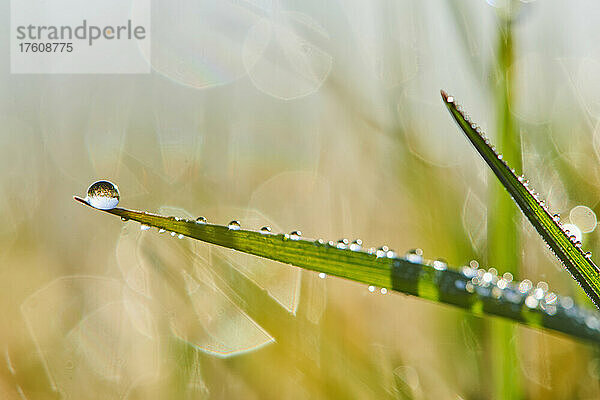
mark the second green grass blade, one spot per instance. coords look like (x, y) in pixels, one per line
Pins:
(561, 242)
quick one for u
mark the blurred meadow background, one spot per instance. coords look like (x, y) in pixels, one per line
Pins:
(319, 116)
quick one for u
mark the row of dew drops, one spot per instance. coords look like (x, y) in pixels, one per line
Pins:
(525, 183)
(474, 280)
(538, 296)
(485, 283)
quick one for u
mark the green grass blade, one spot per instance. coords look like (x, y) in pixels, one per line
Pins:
(470, 289)
(564, 246)
(503, 225)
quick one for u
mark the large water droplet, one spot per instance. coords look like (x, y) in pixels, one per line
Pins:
(265, 230)
(234, 225)
(161, 230)
(103, 195)
(200, 220)
(144, 227)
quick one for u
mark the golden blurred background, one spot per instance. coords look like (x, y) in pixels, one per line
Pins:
(321, 117)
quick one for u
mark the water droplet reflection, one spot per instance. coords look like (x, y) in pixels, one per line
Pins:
(103, 195)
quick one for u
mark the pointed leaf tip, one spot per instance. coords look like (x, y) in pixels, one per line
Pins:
(79, 199)
(444, 95)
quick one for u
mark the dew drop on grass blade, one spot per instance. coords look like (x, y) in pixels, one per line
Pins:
(564, 245)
